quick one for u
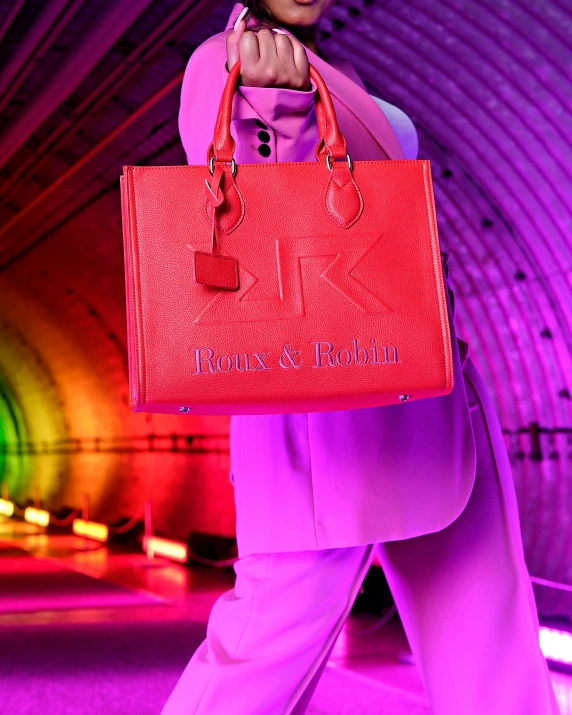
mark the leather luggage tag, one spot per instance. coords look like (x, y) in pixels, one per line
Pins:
(216, 271)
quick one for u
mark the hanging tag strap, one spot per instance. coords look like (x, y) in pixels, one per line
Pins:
(215, 198)
(211, 268)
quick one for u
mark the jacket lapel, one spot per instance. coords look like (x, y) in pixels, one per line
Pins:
(350, 93)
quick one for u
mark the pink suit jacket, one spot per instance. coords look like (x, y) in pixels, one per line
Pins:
(330, 479)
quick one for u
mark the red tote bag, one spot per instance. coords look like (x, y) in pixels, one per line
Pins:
(283, 287)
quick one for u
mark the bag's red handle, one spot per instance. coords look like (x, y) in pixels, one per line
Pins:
(331, 142)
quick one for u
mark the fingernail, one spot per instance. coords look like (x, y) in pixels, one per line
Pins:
(239, 18)
(280, 31)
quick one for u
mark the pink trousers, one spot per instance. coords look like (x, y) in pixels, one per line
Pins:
(463, 593)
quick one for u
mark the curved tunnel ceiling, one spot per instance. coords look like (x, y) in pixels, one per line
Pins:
(90, 85)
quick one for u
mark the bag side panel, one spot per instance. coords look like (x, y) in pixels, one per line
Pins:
(132, 308)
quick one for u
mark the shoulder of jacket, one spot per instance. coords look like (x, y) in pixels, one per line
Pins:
(393, 111)
(218, 40)
(402, 125)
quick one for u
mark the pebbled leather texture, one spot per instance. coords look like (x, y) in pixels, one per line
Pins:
(343, 199)
(303, 280)
(339, 301)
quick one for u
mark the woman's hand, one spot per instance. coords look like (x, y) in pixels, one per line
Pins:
(268, 59)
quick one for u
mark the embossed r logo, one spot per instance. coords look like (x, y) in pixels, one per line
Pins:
(289, 301)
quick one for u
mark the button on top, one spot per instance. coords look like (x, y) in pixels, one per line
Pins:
(264, 150)
(260, 124)
(264, 136)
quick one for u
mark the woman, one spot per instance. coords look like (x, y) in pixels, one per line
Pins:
(428, 483)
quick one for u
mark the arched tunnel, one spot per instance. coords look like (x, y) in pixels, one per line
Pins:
(88, 86)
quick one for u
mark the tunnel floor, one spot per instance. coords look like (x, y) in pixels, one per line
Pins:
(92, 629)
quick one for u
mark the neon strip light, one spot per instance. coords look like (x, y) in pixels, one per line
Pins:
(6, 508)
(39, 517)
(174, 550)
(90, 529)
(556, 645)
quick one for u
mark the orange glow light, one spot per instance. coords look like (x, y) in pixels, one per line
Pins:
(6, 508)
(90, 529)
(39, 517)
(174, 550)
